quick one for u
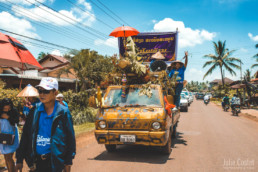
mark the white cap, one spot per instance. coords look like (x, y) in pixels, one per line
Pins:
(60, 95)
(48, 83)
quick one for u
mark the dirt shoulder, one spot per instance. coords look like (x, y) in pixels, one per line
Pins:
(247, 113)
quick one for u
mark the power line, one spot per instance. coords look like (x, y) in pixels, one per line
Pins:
(42, 46)
(69, 35)
(89, 14)
(113, 12)
(53, 28)
(72, 32)
(106, 12)
(93, 30)
(36, 39)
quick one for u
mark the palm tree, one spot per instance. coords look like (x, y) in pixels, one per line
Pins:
(248, 75)
(256, 57)
(222, 60)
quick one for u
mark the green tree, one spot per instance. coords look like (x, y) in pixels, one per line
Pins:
(248, 75)
(256, 58)
(89, 67)
(221, 59)
(41, 55)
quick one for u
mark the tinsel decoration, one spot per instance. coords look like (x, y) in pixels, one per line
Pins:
(124, 80)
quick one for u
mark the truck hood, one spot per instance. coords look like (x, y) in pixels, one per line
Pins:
(131, 118)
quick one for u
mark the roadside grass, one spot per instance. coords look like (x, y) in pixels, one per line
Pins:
(78, 129)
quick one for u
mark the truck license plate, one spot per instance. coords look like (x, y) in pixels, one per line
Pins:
(127, 138)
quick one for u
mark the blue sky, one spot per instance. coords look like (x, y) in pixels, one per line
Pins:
(200, 22)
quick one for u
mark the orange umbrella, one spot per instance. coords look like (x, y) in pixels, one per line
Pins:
(15, 54)
(124, 31)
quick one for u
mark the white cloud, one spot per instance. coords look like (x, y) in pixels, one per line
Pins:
(85, 4)
(243, 50)
(17, 25)
(154, 21)
(24, 2)
(187, 36)
(111, 42)
(254, 38)
(46, 15)
(56, 52)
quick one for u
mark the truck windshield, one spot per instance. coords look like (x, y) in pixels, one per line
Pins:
(132, 98)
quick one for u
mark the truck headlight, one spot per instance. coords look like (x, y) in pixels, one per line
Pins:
(102, 124)
(156, 125)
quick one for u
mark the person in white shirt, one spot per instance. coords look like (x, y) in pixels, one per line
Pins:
(206, 97)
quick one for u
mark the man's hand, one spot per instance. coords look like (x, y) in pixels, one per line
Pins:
(67, 168)
(186, 58)
(18, 167)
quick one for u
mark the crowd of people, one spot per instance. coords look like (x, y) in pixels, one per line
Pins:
(47, 142)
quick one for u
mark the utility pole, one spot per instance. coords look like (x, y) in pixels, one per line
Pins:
(241, 71)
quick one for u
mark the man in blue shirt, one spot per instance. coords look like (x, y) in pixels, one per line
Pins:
(53, 139)
(180, 68)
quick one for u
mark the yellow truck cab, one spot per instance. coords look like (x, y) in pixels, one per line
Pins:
(137, 119)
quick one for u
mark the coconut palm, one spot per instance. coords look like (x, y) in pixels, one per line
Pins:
(248, 75)
(256, 58)
(221, 59)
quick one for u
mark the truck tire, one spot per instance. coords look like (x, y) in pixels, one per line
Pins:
(174, 131)
(186, 109)
(167, 148)
(110, 148)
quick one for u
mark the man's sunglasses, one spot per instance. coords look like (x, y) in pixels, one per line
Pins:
(44, 91)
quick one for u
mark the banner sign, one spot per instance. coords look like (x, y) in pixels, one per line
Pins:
(152, 42)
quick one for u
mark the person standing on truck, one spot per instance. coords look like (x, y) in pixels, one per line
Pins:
(180, 68)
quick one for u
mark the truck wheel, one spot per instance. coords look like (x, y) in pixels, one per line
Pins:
(110, 148)
(186, 109)
(174, 131)
(167, 148)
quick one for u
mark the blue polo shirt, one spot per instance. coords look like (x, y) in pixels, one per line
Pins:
(44, 132)
(181, 73)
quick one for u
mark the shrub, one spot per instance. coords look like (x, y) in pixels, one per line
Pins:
(82, 116)
(78, 105)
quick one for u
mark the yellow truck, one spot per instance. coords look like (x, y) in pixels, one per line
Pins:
(137, 119)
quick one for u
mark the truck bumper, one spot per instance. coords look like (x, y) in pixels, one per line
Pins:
(147, 138)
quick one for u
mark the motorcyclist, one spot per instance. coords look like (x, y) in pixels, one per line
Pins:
(234, 101)
(225, 101)
(206, 97)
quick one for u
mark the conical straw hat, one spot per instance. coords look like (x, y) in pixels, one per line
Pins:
(28, 91)
(158, 56)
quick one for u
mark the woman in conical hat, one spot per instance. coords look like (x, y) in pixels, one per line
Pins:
(180, 68)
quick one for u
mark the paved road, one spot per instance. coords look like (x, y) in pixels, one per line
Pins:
(208, 139)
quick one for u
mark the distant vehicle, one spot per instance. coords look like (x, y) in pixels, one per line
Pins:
(187, 96)
(209, 94)
(183, 102)
(200, 96)
(191, 97)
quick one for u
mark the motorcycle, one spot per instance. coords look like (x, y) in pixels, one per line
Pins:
(226, 107)
(206, 102)
(236, 110)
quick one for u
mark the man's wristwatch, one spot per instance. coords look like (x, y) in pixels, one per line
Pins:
(33, 167)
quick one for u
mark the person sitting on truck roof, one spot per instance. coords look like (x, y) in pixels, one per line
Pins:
(180, 68)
